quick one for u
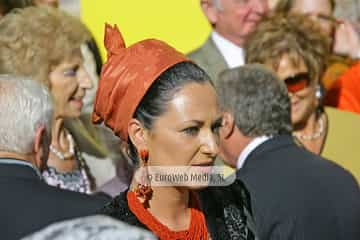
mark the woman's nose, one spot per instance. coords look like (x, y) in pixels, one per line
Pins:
(84, 79)
(210, 144)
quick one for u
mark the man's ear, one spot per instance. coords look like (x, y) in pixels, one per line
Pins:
(137, 134)
(41, 147)
(228, 125)
(210, 10)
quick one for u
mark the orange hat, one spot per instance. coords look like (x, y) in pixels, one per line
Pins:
(127, 75)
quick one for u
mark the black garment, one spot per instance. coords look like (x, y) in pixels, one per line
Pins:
(299, 195)
(226, 210)
(27, 204)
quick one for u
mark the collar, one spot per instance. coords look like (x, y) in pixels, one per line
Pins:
(249, 148)
(12, 161)
(233, 54)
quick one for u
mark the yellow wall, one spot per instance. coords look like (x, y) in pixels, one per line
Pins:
(180, 23)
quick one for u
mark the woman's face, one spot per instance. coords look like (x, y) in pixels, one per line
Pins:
(304, 101)
(187, 134)
(68, 84)
(319, 10)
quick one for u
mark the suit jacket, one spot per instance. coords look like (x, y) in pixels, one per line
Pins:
(298, 195)
(28, 204)
(209, 58)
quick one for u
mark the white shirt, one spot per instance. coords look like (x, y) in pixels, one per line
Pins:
(249, 148)
(233, 54)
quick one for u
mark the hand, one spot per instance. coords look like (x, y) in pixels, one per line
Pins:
(347, 40)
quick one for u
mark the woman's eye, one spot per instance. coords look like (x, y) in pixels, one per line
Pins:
(71, 72)
(192, 131)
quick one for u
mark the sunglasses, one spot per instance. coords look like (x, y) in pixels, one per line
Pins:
(297, 82)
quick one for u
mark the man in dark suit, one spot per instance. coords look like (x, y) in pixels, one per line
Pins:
(28, 204)
(294, 193)
(232, 22)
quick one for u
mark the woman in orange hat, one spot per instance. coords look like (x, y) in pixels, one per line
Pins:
(165, 107)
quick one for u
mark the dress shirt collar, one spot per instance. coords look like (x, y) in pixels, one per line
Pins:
(249, 148)
(233, 54)
(12, 161)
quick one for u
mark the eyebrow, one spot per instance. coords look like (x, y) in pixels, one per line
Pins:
(194, 121)
(329, 18)
(218, 120)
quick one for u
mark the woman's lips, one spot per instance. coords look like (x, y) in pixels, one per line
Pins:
(78, 102)
(206, 164)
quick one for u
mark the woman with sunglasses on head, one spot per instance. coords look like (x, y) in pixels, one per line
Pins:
(166, 109)
(295, 48)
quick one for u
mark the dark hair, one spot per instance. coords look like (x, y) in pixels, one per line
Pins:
(162, 91)
(258, 100)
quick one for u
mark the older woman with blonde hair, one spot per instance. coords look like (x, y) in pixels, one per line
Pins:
(44, 44)
(295, 48)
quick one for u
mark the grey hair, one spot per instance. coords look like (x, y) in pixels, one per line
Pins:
(258, 100)
(25, 105)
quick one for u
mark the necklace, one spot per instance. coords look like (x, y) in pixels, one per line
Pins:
(69, 154)
(197, 228)
(315, 135)
(79, 180)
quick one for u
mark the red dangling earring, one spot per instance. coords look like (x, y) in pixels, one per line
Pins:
(144, 155)
(143, 190)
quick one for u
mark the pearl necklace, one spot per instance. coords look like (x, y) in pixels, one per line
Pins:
(69, 154)
(317, 134)
(51, 176)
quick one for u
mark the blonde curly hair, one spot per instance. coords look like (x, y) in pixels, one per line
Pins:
(33, 40)
(292, 34)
